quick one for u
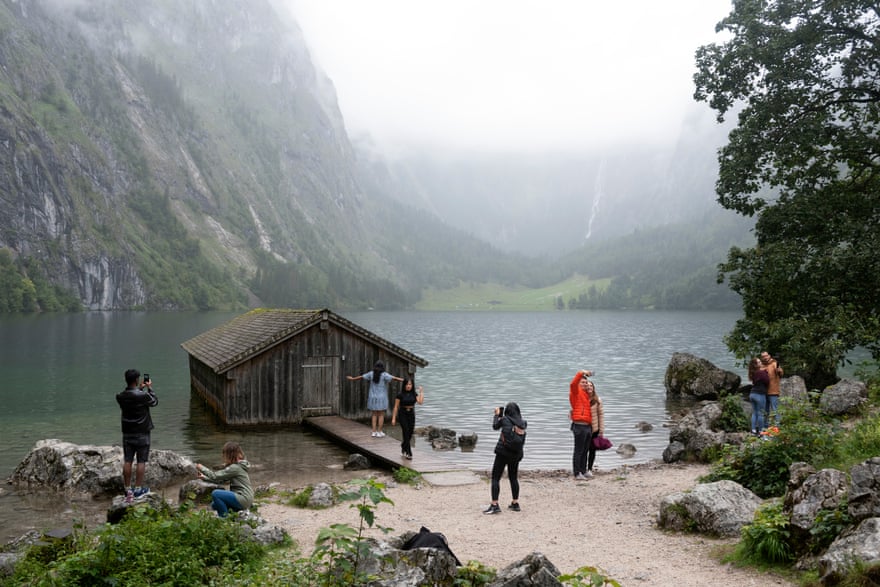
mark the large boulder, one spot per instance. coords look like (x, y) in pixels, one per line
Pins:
(696, 431)
(844, 397)
(859, 544)
(690, 377)
(795, 388)
(96, 470)
(864, 490)
(807, 496)
(721, 508)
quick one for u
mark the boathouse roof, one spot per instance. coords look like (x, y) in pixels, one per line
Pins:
(248, 335)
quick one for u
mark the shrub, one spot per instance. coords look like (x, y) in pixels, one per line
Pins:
(149, 547)
(733, 416)
(762, 465)
(767, 538)
(828, 526)
(407, 475)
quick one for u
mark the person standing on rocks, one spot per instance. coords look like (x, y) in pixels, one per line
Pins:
(774, 374)
(758, 394)
(508, 453)
(135, 402)
(405, 403)
(377, 400)
(581, 422)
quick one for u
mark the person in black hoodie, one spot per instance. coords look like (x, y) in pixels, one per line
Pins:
(135, 402)
(508, 453)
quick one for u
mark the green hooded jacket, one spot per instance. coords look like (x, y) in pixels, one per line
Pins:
(236, 475)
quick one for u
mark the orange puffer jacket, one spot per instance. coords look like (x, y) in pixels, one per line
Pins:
(580, 401)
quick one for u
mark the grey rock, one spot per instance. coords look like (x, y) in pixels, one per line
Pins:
(322, 496)
(691, 377)
(721, 508)
(844, 397)
(96, 470)
(534, 569)
(861, 543)
(356, 462)
(864, 490)
(824, 490)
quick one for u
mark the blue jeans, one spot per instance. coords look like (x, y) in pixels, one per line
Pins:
(759, 404)
(772, 408)
(222, 501)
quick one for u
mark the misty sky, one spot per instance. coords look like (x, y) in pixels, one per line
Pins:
(511, 74)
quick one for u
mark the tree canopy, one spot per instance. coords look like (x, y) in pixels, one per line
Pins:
(802, 77)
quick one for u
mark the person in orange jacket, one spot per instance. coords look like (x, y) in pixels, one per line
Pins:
(581, 422)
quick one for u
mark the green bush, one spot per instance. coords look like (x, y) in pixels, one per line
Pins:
(407, 475)
(149, 547)
(767, 538)
(828, 526)
(762, 465)
(733, 416)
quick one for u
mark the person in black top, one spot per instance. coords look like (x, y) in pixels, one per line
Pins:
(508, 453)
(135, 402)
(405, 405)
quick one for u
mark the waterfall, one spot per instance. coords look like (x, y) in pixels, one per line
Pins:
(598, 188)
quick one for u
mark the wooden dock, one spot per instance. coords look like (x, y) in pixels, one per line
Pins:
(385, 450)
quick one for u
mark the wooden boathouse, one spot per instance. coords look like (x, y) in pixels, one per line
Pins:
(279, 366)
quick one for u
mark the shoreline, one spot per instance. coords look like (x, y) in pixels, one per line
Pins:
(608, 522)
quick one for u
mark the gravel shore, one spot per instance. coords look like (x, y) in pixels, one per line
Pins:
(608, 522)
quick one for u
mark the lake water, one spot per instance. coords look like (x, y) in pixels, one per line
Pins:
(59, 375)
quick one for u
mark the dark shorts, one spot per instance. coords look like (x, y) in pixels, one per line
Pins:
(136, 444)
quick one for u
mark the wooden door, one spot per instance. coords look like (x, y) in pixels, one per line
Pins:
(320, 386)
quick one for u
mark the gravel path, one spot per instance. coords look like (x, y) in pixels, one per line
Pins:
(607, 522)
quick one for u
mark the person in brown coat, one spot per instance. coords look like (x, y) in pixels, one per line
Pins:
(774, 375)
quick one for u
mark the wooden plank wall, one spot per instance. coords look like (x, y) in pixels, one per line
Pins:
(268, 389)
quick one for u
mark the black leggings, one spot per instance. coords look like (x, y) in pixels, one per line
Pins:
(591, 452)
(512, 464)
(407, 426)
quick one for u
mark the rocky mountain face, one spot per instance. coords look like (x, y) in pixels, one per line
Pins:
(158, 154)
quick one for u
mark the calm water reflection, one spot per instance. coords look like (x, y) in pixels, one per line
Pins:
(60, 374)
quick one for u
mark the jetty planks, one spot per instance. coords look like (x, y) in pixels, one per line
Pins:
(385, 450)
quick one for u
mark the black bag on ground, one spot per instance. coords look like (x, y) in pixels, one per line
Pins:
(427, 539)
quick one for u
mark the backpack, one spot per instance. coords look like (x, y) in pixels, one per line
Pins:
(427, 539)
(514, 439)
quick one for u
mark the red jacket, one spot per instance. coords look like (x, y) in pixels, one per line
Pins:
(580, 401)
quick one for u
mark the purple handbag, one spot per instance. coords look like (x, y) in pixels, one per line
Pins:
(601, 443)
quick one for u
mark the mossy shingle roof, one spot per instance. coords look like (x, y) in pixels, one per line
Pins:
(250, 334)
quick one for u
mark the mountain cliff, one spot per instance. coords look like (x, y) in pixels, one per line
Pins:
(179, 154)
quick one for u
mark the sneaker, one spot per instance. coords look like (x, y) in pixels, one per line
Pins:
(408, 457)
(588, 475)
(374, 434)
(129, 496)
(514, 507)
(493, 509)
(141, 491)
(580, 477)
(380, 434)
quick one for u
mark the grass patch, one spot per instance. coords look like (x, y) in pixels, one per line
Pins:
(495, 296)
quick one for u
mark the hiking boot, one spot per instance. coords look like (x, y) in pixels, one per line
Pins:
(129, 496)
(493, 509)
(514, 507)
(141, 491)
